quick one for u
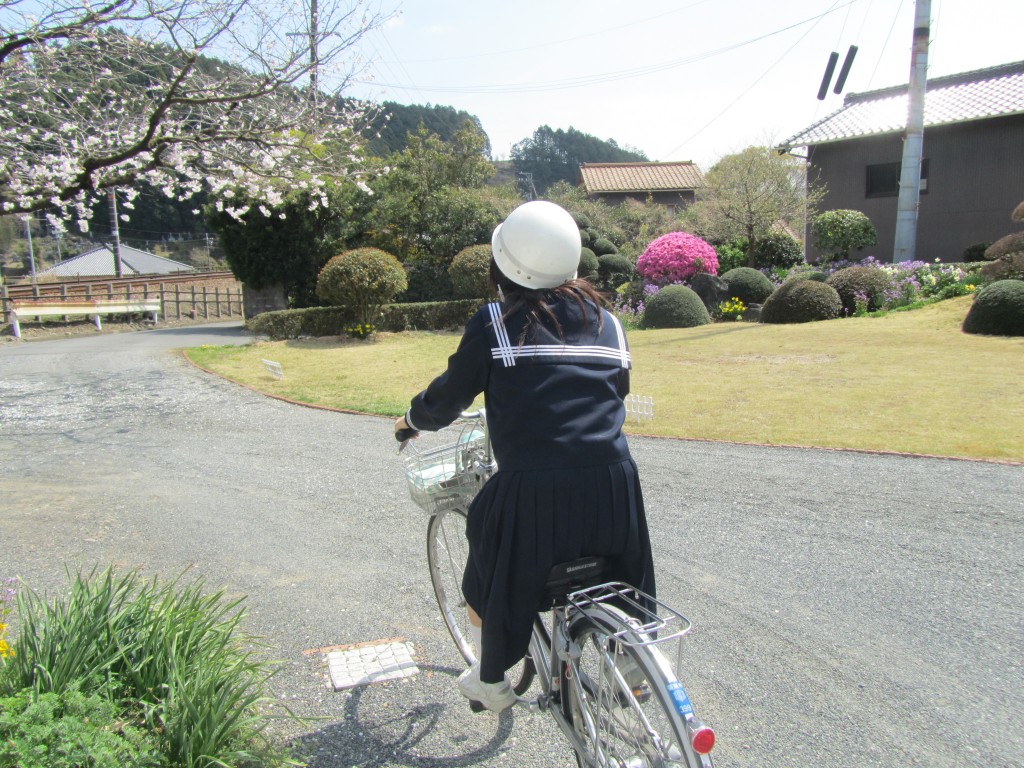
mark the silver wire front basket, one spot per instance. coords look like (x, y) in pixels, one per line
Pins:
(444, 476)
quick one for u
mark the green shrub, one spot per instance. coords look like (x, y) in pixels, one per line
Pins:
(731, 255)
(585, 238)
(426, 281)
(581, 220)
(777, 249)
(860, 284)
(363, 279)
(614, 265)
(748, 285)
(332, 321)
(836, 233)
(976, 252)
(802, 301)
(603, 246)
(470, 272)
(806, 274)
(71, 730)
(293, 323)
(998, 310)
(675, 306)
(588, 263)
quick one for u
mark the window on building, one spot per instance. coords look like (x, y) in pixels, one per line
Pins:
(883, 179)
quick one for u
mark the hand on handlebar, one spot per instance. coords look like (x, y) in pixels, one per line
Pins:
(404, 433)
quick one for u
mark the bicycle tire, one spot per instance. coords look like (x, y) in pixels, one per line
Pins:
(447, 551)
(617, 733)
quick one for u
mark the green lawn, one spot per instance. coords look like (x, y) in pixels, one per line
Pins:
(907, 381)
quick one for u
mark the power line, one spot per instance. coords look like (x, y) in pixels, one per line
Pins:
(749, 88)
(606, 77)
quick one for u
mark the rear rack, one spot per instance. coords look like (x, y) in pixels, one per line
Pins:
(646, 620)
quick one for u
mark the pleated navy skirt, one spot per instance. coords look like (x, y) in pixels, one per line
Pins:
(524, 522)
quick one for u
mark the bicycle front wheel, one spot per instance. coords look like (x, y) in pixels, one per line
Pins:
(447, 553)
(622, 703)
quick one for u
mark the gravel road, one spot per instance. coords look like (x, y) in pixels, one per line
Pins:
(851, 609)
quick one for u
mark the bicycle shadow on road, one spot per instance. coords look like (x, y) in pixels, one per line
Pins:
(420, 721)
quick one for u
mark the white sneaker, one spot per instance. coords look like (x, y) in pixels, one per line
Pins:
(497, 697)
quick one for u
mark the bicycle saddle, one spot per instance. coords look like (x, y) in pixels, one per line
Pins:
(566, 578)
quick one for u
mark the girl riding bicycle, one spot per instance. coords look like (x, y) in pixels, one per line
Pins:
(553, 366)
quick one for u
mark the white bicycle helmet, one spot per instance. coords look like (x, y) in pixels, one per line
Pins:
(537, 246)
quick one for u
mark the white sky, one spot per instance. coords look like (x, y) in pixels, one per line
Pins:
(677, 79)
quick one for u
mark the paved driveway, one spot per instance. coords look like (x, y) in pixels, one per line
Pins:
(851, 609)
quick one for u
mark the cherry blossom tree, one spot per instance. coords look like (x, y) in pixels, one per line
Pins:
(183, 95)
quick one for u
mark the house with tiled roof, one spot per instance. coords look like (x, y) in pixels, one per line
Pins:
(972, 172)
(99, 262)
(671, 184)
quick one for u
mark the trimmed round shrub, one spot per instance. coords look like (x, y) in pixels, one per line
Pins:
(998, 310)
(802, 301)
(588, 263)
(582, 221)
(675, 306)
(807, 274)
(603, 246)
(585, 238)
(470, 272)
(777, 249)
(614, 264)
(863, 283)
(363, 279)
(748, 285)
(675, 257)
(836, 233)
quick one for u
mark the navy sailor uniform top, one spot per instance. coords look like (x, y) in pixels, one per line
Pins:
(552, 402)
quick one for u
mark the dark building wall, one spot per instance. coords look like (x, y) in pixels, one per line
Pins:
(975, 179)
(680, 199)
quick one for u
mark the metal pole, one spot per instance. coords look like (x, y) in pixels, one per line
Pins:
(115, 232)
(314, 62)
(905, 246)
(31, 253)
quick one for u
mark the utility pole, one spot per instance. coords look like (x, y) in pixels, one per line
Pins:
(314, 61)
(31, 253)
(115, 232)
(905, 246)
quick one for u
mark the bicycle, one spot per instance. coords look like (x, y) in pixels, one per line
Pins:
(600, 661)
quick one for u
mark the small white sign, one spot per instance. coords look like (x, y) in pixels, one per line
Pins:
(274, 369)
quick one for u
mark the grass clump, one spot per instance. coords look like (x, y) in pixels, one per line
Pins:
(164, 668)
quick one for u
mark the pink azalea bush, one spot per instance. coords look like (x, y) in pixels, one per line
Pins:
(676, 257)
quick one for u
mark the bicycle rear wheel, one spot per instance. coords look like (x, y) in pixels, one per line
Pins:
(623, 706)
(447, 552)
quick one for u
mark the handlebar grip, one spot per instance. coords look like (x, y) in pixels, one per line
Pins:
(405, 434)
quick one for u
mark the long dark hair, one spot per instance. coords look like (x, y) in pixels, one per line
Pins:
(536, 303)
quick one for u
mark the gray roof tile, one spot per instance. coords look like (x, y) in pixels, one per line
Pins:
(977, 95)
(99, 262)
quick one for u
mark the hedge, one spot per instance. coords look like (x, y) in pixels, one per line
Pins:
(331, 321)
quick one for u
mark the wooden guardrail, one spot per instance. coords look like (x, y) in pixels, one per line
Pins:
(174, 300)
(91, 309)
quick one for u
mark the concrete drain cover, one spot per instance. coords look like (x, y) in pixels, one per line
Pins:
(370, 664)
